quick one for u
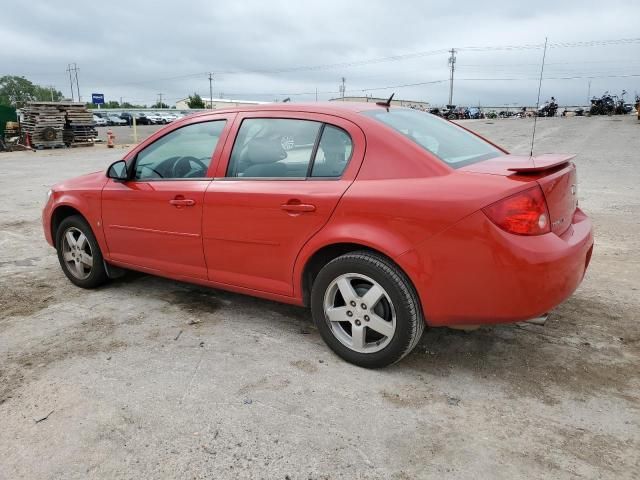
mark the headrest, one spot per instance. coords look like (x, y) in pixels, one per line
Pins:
(265, 150)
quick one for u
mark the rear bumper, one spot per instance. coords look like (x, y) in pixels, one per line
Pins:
(475, 273)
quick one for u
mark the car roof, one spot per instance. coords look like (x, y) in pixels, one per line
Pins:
(330, 108)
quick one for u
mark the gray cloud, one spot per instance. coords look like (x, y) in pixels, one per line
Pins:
(136, 49)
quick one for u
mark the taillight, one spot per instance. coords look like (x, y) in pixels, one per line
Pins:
(524, 213)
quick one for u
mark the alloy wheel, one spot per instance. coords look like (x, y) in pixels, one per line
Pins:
(359, 313)
(76, 252)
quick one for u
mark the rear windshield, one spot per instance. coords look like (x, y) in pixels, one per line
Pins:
(450, 143)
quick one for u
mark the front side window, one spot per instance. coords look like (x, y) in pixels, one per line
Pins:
(183, 153)
(288, 148)
(450, 143)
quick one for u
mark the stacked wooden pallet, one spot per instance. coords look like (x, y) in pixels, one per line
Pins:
(44, 123)
(71, 121)
(80, 125)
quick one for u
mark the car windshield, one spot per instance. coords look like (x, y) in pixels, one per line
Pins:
(450, 143)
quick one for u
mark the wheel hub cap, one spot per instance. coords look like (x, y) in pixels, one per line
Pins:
(77, 254)
(359, 313)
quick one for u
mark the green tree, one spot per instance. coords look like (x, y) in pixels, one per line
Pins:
(195, 101)
(159, 105)
(16, 91)
(132, 105)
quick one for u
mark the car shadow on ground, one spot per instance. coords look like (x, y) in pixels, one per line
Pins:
(572, 354)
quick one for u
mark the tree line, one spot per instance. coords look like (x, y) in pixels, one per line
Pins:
(16, 91)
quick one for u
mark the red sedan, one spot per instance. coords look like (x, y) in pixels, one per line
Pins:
(381, 219)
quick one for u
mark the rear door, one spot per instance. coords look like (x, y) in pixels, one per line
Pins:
(154, 220)
(278, 184)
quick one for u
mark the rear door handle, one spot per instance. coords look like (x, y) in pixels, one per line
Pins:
(182, 202)
(298, 207)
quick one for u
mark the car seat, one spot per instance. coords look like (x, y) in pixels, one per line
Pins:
(262, 159)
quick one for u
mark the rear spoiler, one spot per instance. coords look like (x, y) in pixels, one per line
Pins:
(543, 162)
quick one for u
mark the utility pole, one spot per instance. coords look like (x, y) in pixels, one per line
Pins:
(121, 101)
(316, 94)
(70, 81)
(51, 91)
(589, 94)
(211, 90)
(160, 101)
(73, 72)
(452, 64)
(75, 67)
(342, 88)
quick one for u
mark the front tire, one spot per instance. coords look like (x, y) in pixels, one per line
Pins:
(366, 309)
(79, 253)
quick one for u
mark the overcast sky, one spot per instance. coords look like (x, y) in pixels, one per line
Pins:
(258, 49)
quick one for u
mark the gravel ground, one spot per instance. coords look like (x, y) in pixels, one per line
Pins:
(150, 378)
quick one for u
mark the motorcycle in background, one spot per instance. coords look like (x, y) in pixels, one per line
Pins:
(608, 104)
(549, 109)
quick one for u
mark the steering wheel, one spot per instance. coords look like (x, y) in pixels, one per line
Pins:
(183, 168)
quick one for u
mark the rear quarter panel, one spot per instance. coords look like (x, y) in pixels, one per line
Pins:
(394, 215)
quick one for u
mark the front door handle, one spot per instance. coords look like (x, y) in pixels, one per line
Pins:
(182, 202)
(298, 207)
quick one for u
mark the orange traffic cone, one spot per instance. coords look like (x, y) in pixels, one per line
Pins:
(110, 138)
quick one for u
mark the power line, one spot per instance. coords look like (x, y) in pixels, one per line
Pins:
(395, 58)
(73, 70)
(417, 84)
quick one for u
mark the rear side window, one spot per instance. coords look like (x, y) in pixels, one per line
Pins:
(333, 154)
(289, 148)
(450, 143)
(273, 148)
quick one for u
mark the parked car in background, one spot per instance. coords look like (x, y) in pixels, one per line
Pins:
(99, 121)
(155, 118)
(115, 120)
(167, 117)
(141, 119)
(429, 225)
(127, 117)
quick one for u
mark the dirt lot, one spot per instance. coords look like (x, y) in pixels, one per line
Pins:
(252, 392)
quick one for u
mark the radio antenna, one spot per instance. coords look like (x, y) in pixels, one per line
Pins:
(535, 119)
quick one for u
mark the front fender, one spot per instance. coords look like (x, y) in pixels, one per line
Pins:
(87, 203)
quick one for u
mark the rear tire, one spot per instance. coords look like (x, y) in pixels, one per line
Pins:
(366, 309)
(79, 253)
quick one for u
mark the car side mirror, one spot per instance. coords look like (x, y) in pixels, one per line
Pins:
(118, 171)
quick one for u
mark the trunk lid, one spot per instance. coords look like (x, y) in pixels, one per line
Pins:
(555, 174)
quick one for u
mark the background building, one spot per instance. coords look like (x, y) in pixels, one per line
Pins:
(217, 103)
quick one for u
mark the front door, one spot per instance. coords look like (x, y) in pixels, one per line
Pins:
(277, 185)
(154, 220)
